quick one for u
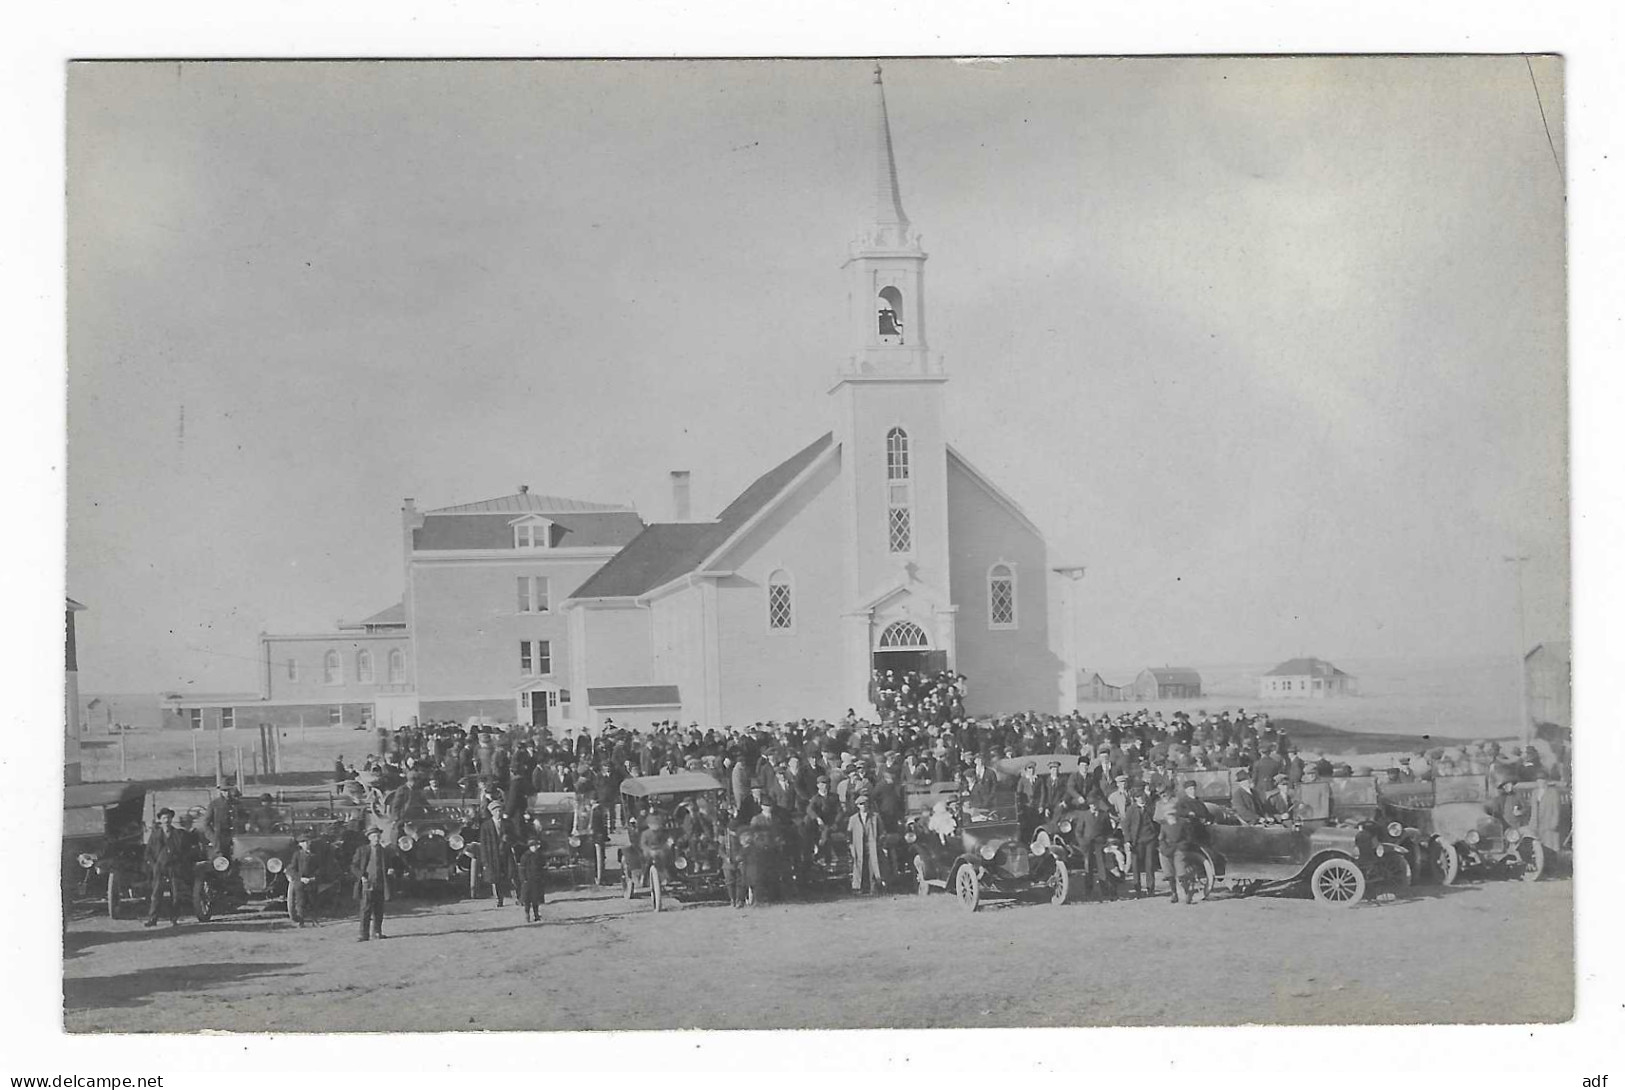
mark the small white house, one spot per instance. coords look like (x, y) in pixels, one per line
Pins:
(1305, 679)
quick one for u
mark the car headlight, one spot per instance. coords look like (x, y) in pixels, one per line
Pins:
(455, 841)
(1065, 826)
(274, 864)
(221, 863)
(87, 860)
(1472, 837)
(988, 851)
(1381, 849)
(909, 837)
(405, 843)
(1395, 829)
(575, 842)
(682, 863)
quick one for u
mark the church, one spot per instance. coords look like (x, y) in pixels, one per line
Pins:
(875, 546)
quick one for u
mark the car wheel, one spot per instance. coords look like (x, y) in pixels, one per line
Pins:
(202, 900)
(656, 891)
(1059, 882)
(112, 894)
(1532, 856)
(1397, 869)
(968, 887)
(1338, 882)
(921, 886)
(1447, 863)
(1202, 879)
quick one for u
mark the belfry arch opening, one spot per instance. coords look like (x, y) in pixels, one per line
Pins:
(889, 317)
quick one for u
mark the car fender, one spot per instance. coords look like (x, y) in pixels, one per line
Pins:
(1320, 857)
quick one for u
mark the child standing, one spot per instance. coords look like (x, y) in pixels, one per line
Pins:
(531, 867)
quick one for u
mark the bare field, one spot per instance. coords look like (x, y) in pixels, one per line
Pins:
(599, 962)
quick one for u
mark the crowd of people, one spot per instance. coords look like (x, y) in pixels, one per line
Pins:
(800, 797)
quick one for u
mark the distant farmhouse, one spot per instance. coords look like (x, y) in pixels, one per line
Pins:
(1167, 683)
(1093, 689)
(1306, 679)
(1546, 683)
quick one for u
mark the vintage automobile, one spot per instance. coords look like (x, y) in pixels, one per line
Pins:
(684, 865)
(264, 836)
(103, 853)
(1359, 801)
(987, 856)
(573, 832)
(1334, 861)
(1463, 831)
(431, 836)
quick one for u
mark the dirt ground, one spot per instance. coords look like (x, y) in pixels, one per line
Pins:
(1486, 952)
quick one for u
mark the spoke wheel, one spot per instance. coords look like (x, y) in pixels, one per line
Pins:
(112, 894)
(968, 887)
(1202, 878)
(1447, 863)
(1532, 857)
(1338, 883)
(202, 900)
(1059, 882)
(1397, 869)
(656, 889)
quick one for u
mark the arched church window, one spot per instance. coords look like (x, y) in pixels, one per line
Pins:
(891, 315)
(363, 667)
(903, 635)
(397, 666)
(780, 607)
(332, 668)
(1001, 596)
(897, 455)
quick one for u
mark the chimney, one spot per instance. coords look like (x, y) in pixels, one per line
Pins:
(679, 495)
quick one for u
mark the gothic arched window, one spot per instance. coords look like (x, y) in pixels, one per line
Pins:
(903, 635)
(363, 667)
(397, 666)
(899, 494)
(780, 604)
(332, 668)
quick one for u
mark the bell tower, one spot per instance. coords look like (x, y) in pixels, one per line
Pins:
(887, 398)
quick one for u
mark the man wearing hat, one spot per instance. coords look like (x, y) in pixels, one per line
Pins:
(864, 829)
(371, 865)
(532, 867)
(1244, 799)
(301, 873)
(494, 850)
(165, 858)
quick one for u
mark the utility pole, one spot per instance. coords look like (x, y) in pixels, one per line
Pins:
(1517, 563)
(1073, 574)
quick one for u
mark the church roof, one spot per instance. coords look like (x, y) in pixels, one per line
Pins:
(1306, 667)
(666, 550)
(394, 615)
(1175, 675)
(527, 502)
(494, 530)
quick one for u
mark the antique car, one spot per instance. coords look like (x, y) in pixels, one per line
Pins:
(103, 852)
(264, 836)
(986, 855)
(1359, 801)
(573, 831)
(430, 835)
(1463, 832)
(1334, 861)
(687, 863)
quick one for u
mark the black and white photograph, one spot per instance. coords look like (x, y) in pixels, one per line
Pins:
(816, 544)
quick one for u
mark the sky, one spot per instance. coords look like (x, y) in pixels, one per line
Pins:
(1275, 348)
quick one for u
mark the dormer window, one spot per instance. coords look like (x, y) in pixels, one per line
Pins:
(532, 533)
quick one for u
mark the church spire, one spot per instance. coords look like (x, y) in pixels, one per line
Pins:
(888, 211)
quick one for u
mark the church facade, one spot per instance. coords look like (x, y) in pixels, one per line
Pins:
(877, 545)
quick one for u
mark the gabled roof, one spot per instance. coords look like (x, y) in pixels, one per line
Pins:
(494, 530)
(525, 502)
(394, 615)
(1175, 675)
(666, 550)
(1306, 667)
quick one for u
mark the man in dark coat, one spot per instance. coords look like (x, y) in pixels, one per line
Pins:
(371, 865)
(824, 817)
(1244, 800)
(165, 860)
(495, 853)
(301, 872)
(216, 824)
(1140, 835)
(1093, 828)
(532, 869)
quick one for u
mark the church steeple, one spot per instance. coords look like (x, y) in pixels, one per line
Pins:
(889, 217)
(886, 269)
